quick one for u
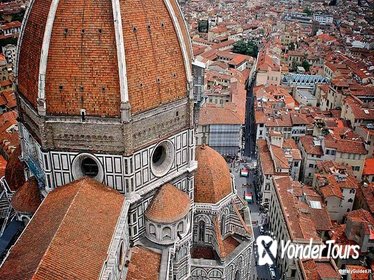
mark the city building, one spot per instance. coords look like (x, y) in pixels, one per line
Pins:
(221, 128)
(324, 19)
(10, 52)
(296, 218)
(337, 186)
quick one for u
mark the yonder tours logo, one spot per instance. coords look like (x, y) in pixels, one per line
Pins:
(267, 249)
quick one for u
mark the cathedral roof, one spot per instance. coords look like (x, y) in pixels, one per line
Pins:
(141, 269)
(97, 55)
(168, 205)
(212, 179)
(14, 172)
(68, 236)
(27, 198)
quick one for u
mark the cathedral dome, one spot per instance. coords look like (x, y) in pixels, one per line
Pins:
(212, 179)
(98, 57)
(168, 205)
(27, 198)
(166, 218)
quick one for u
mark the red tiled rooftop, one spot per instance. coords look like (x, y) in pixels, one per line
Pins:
(212, 178)
(319, 269)
(211, 114)
(266, 162)
(27, 197)
(3, 164)
(14, 172)
(309, 146)
(368, 167)
(203, 252)
(61, 242)
(144, 264)
(168, 205)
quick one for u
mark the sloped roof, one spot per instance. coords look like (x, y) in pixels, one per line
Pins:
(144, 265)
(14, 172)
(219, 115)
(27, 198)
(69, 235)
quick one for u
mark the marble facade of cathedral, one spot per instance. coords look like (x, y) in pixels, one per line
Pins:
(105, 103)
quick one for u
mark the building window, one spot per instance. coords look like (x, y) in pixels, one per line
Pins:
(121, 257)
(202, 231)
(223, 222)
(356, 168)
(162, 158)
(87, 165)
(352, 191)
(166, 233)
(152, 229)
(180, 227)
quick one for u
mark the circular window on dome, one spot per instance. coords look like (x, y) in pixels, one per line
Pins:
(162, 158)
(87, 165)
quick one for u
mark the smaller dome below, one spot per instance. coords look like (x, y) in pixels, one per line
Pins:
(27, 198)
(168, 205)
(212, 179)
(14, 172)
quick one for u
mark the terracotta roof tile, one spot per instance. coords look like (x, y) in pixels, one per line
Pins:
(367, 193)
(168, 205)
(320, 269)
(212, 114)
(212, 179)
(144, 264)
(309, 147)
(162, 78)
(300, 223)
(266, 161)
(368, 167)
(60, 242)
(27, 197)
(3, 164)
(14, 172)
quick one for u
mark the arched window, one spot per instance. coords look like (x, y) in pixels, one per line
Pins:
(223, 221)
(166, 233)
(180, 227)
(152, 229)
(121, 256)
(202, 231)
(237, 275)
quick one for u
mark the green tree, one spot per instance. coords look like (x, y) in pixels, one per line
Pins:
(306, 65)
(307, 11)
(247, 48)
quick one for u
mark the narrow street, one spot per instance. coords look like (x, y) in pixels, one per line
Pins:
(262, 272)
(249, 129)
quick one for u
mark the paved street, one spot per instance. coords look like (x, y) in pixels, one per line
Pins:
(257, 218)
